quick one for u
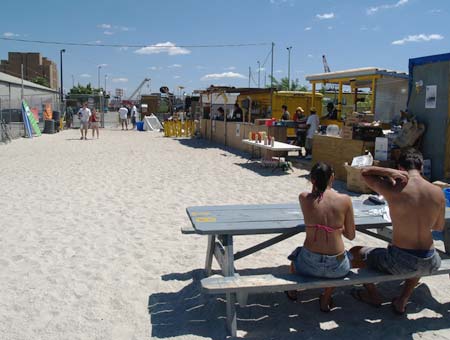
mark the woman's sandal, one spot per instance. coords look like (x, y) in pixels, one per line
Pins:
(329, 307)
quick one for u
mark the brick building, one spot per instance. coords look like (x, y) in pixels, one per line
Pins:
(34, 65)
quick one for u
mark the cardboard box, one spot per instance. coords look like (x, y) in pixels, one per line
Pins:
(347, 132)
(355, 182)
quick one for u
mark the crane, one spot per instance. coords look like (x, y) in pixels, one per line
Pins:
(326, 68)
(138, 89)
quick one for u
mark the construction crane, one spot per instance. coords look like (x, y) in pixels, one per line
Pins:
(326, 68)
(138, 89)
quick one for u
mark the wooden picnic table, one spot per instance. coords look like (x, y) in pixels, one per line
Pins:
(222, 223)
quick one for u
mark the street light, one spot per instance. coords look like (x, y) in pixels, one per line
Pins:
(259, 74)
(106, 77)
(289, 67)
(99, 67)
(61, 72)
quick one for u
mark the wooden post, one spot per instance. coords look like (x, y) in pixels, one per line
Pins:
(210, 254)
(340, 100)
(313, 94)
(374, 86)
(228, 270)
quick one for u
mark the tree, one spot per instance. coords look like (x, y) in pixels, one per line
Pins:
(283, 85)
(41, 81)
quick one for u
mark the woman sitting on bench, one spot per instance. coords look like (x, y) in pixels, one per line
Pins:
(328, 216)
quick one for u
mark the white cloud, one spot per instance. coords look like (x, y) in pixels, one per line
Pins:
(176, 77)
(175, 66)
(310, 56)
(124, 28)
(435, 11)
(309, 28)
(102, 65)
(418, 38)
(120, 80)
(123, 48)
(223, 75)
(325, 16)
(154, 68)
(230, 68)
(375, 9)
(85, 75)
(108, 33)
(167, 47)
(10, 35)
(104, 26)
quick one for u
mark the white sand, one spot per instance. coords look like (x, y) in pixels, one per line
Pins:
(90, 241)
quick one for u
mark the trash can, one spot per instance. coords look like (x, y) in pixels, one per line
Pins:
(140, 126)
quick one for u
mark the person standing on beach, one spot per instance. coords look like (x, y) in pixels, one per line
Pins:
(84, 113)
(93, 120)
(134, 115)
(312, 124)
(123, 112)
(416, 208)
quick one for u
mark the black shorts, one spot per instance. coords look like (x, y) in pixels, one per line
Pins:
(133, 120)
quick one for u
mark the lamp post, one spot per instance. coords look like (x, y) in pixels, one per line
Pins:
(61, 73)
(106, 77)
(99, 67)
(289, 67)
(259, 74)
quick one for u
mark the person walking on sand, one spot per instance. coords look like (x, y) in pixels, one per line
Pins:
(123, 112)
(134, 115)
(416, 208)
(328, 216)
(93, 120)
(84, 114)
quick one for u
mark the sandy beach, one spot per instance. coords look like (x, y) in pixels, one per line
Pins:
(91, 248)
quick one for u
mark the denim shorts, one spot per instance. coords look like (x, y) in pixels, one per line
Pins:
(394, 260)
(312, 264)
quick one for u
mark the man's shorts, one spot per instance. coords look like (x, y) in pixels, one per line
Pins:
(309, 143)
(394, 260)
(309, 263)
(84, 125)
(133, 120)
(123, 119)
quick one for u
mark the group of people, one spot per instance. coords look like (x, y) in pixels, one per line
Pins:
(235, 116)
(88, 119)
(125, 113)
(416, 208)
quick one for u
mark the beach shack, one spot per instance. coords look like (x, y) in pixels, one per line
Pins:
(388, 90)
(256, 104)
(429, 102)
(387, 93)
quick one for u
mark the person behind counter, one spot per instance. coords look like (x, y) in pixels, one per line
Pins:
(285, 115)
(237, 113)
(331, 112)
(220, 114)
(312, 124)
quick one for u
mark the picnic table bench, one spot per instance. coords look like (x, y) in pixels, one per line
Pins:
(222, 223)
(271, 151)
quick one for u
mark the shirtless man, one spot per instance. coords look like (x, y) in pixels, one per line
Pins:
(416, 207)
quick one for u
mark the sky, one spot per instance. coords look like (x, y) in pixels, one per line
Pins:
(175, 42)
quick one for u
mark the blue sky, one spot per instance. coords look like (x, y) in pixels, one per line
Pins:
(381, 33)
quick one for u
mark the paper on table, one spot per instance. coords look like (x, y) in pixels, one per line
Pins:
(387, 215)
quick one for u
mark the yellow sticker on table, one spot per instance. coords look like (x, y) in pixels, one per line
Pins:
(200, 213)
(205, 219)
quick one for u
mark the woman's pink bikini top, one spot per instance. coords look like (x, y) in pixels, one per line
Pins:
(326, 229)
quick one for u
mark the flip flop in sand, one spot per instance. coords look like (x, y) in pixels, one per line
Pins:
(291, 295)
(362, 295)
(328, 308)
(395, 309)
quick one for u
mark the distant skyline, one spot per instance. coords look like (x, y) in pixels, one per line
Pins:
(175, 43)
